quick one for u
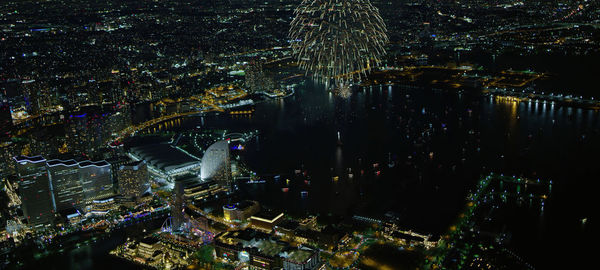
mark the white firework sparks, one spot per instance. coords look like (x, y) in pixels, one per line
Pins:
(337, 40)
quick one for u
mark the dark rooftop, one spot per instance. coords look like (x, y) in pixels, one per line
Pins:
(149, 241)
(289, 225)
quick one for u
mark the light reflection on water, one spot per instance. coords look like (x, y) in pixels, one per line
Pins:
(539, 140)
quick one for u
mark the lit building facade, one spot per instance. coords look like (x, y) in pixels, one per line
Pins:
(216, 164)
(66, 185)
(249, 246)
(101, 207)
(84, 131)
(95, 179)
(178, 205)
(196, 190)
(261, 252)
(5, 119)
(35, 190)
(133, 180)
(265, 220)
(239, 212)
(52, 186)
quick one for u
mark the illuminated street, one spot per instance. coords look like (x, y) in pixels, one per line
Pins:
(298, 134)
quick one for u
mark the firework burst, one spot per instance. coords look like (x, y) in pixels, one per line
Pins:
(337, 40)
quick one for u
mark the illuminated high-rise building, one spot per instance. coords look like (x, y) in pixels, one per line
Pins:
(178, 205)
(32, 98)
(5, 119)
(35, 190)
(133, 180)
(115, 163)
(95, 179)
(256, 78)
(70, 184)
(85, 131)
(216, 164)
(66, 185)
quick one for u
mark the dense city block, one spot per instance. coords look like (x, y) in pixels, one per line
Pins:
(298, 134)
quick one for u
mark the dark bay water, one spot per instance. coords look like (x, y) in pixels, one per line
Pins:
(439, 143)
(94, 252)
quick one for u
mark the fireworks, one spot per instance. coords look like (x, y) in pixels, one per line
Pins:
(337, 40)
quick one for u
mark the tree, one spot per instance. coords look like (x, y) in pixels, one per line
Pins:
(205, 255)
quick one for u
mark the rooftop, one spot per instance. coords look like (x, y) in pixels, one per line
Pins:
(149, 241)
(300, 255)
(34, 159)
(289, 225)
(164, 156)
(241, 205)
(270, 248)
(56, 162)
(267, 215)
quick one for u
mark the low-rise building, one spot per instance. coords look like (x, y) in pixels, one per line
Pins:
(147, 247)
(328, 238)
(302, 258)
(194, 189)
(239, 212)
(265, 220)
(286, 228)
(102, 206)
(261, 251)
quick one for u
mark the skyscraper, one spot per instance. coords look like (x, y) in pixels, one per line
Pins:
(216, 164)
(5, 119)
(66, 184)
(133, 180)
(51, 186)
(95, 179)
(256, 78)
(35, 190)
(178, 205)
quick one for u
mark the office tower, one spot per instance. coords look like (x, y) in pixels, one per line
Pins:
(257, 79)
(178, 205)
(35, 190)
(84, 131)
(6, 123)
(133, 180)
(67, 188)
(115, 163)
(95, 177)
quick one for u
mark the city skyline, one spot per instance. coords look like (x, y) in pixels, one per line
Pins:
(297, 134)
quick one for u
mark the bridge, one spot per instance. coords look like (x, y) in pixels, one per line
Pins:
(132, 130)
